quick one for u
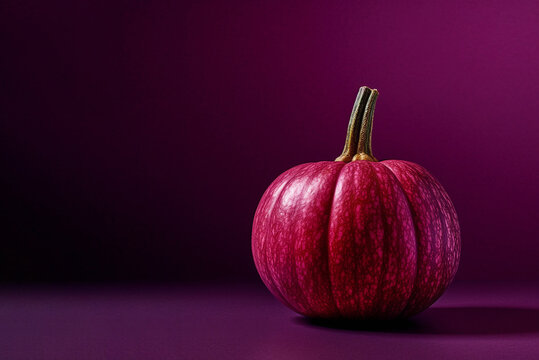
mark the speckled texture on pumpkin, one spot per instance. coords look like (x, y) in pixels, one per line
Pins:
(370, 240)
(437, 231)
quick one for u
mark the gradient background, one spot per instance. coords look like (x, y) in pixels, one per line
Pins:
(138, 136)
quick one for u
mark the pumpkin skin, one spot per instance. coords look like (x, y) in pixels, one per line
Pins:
(358, 240)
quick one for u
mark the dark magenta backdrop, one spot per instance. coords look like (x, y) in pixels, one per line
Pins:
(138, 136)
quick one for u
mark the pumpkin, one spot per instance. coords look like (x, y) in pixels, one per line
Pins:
(356, 238)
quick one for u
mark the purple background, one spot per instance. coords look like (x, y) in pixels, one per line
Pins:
(138, 136)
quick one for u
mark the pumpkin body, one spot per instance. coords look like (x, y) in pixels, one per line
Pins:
(359, 239)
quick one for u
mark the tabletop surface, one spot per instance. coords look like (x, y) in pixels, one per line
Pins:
(476, 321)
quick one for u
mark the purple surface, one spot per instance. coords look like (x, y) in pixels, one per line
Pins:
(475, 321)
(138, 136)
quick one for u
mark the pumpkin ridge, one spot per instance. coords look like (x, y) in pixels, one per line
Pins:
(334, 187)
(442, 284)
(452, 226)
(442, 278)
(309, 174)
(446, 277)
(258, 246)
(386, 239)
(385, 253)
(265, 248)
(294, 278)
(416, 237)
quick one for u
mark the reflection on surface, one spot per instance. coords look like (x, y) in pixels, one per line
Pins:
(469, 320)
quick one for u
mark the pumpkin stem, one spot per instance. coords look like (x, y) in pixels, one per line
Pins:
(364, 147)
(358, 137)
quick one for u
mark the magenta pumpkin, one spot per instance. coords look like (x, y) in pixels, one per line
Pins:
(354, 237)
